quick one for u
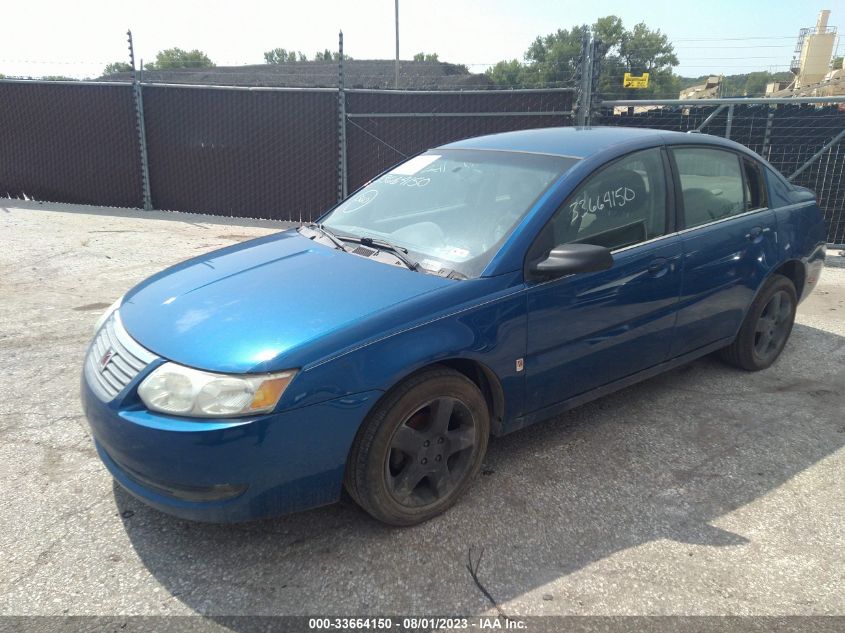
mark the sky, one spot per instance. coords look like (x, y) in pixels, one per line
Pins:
(50, 37)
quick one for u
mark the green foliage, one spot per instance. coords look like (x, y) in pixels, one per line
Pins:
(507, 73)
(58, 78)
(836, 63)
(117, 67)
(426, 57)
(640, 50)
(329, 56)
(610, 32)
(553, 60)
(178, 58)
(282, 56)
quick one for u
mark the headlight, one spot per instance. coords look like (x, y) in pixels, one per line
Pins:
(179, 390)
(109, 311)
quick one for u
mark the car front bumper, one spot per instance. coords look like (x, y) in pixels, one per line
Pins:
(228, 470)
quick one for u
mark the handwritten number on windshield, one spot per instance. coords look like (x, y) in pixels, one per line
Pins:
(406, 181)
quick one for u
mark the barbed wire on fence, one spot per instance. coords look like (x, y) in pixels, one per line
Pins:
(201, 143)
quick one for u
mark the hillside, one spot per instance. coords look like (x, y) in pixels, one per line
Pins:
(744, 85)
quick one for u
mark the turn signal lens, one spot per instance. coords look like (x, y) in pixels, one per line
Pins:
(269, 392)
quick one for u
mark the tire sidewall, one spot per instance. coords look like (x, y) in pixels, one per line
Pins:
(394, 411)
(775, 284)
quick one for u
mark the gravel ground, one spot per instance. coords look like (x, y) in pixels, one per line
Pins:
(703, 491)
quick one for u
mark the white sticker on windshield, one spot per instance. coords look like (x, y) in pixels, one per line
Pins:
(430, 264)
(412, 166)
(460, 253)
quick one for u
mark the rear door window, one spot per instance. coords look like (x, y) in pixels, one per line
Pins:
(756, 196)
(712, 184)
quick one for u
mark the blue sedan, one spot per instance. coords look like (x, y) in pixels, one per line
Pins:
(472, 290)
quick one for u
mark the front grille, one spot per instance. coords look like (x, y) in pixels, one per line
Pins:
(114, 359)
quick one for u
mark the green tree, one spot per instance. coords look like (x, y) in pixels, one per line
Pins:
(426, 57)
(754, 85)
(282, 56)
(836, 63)
(640, 50)
(507, 73)
(329, 56)
(178, 58)
(551, 60)
(554, 59)
(116, 67)
(58, 78)
(610, 32)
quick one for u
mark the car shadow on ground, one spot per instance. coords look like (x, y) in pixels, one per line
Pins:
(665, 459)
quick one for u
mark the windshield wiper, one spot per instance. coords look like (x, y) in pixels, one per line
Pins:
(398, 251)
(331, 236)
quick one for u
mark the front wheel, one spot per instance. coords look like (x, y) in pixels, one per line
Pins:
(766, 328)
(419, 449)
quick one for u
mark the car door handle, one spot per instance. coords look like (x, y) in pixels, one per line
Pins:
(658, 267)
(754, 233)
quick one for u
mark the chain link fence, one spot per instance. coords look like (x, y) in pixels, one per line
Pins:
(260, 152)
(69, 143)
(244, 153)
(290, 153)
(385, 127)
(801, 140)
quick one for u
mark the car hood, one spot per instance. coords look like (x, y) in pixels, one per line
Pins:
(255, 306)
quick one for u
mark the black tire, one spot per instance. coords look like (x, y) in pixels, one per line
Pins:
(419, 448)
(766, 327)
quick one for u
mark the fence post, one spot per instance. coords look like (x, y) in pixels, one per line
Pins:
(768, 134)
(139, 123)
(595, 75)
(730, 121)
(342, 181)
(582, 117)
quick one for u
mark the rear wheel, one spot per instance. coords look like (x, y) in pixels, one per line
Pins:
(420, 448)
(766, 328)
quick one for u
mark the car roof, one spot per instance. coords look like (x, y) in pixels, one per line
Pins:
(581, 142)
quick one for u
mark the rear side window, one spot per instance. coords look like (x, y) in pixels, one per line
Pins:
(712, 185)
(755, 186)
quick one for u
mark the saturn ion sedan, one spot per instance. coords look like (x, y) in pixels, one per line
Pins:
(470, 291)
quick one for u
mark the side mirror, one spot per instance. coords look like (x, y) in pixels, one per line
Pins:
(568, 259)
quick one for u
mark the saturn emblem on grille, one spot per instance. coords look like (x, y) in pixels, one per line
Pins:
(104, 361)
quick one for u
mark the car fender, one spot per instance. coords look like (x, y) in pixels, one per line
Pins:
(490, 333)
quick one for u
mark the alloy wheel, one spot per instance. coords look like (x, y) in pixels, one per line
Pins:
(431, 452)
(773, 326)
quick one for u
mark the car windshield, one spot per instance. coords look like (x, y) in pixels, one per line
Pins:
(451, 209)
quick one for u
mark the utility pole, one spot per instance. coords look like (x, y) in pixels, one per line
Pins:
(396, 79)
